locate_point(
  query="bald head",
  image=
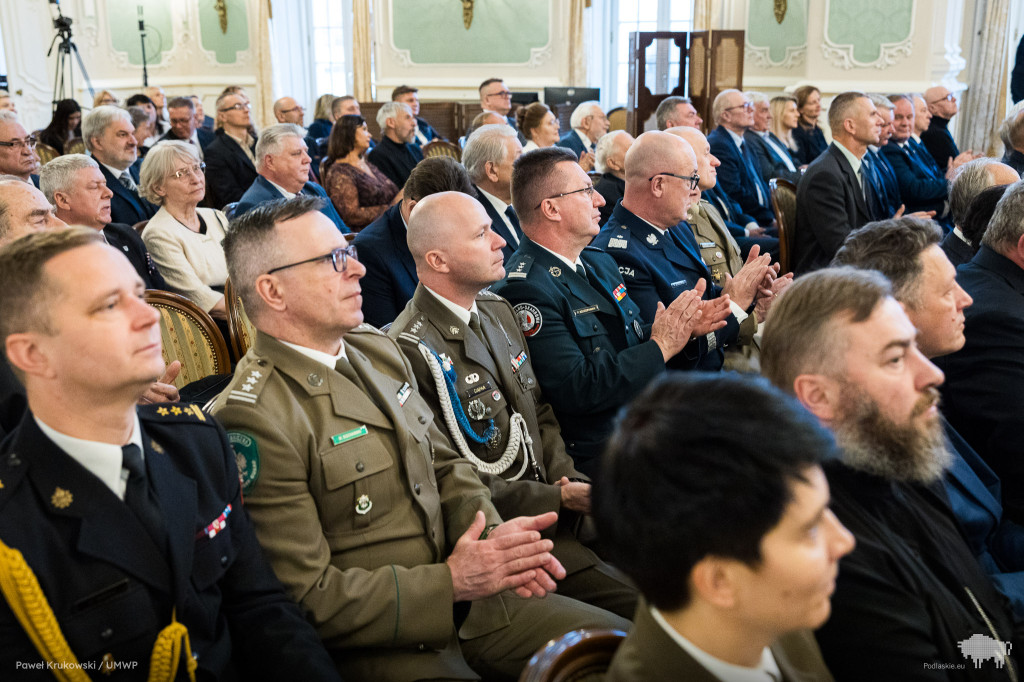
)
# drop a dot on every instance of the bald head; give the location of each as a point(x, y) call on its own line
point(659, 166)
point(657, 152)
point(456, 252)
point(23, 209)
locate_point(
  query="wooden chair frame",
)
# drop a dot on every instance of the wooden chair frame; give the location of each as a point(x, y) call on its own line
point(578, 655)
point(237, 320)
point(786, 223)
point(207, 327)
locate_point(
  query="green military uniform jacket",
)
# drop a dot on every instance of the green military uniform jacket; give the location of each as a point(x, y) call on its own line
point(357, 502)
point(718, 248)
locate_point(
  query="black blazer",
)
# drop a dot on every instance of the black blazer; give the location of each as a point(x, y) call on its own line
point(984, 387)
point(957, 250)
point(395, 160)
point(498, 225)
point(612, 189)
point(769, 163)
point(127, 241)
point(205, 137)
point(829, 206)
point(390, 279)
point(920, 188)
point(12, 399)
point(229, 172)
point(126, 206)
point(112, 588)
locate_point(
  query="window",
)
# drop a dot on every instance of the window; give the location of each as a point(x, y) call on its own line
point(332, 46)
point(626, 16)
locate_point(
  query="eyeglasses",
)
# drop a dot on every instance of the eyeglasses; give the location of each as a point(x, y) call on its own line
point(241, 106)
point(502, 93)
point(589, 189)
point(295, 108)
point(745, 105)
point(339, 259)
point(694, 178)
point(196, 170)
point(948, 98)
point(28, 143)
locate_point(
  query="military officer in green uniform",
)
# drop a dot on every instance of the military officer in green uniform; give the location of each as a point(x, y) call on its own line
point(474, 369)
point(591, 348)
point(379, 529)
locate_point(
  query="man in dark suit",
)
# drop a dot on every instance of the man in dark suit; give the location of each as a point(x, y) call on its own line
point(771, 153)
point(677, 111)
point(913, 589)
point(591, 348)
point(488, 157)
point(424, 132)
point(985, 380)
point(739, 174)
point(832, 199)
point(497, 98)
point(395, 155)
point(970, 180)
point(659, 257)
point(75, 186)
point(936, 138)
point(141, 524)
point(735, 555)
point(390, 278)
point(283, 166)
point(586, 126)
point(907, 251)
point(879, 172)
point(922, 185)
point(110, 137)
point(201, 119)
point(182, 114)
point(231, 158)
point(610, 162)
point(18, 155)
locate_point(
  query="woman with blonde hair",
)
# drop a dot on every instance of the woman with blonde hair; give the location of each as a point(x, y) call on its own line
point(323, 118)
point(184, 240)
point(785, 118)
point(104, 98)
point(810, 140)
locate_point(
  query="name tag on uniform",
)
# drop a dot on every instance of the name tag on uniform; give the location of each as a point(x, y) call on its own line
point(403, 393)
point(678, 283)
point(349, 435)
point(477, 390)
point(708, 245)
point(584, 311)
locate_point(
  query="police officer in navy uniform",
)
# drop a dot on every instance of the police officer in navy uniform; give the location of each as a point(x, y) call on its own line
point(658, 255)
point(591, 347)
point(131, 520)
point(473, 367)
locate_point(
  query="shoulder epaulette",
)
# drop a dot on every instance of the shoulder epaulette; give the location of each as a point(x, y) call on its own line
point(253, 382)
point(619, 239)
point(365, 328)
point(486, 295)
point(520, 268)
point(172, 412)
point(412, 330)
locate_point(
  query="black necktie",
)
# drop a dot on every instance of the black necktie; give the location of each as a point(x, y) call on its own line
point(138, 496)
point(514, 219)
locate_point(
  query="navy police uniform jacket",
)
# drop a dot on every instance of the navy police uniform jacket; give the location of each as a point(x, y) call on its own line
point(590, 347)
point(112, 589)
point(658, 267)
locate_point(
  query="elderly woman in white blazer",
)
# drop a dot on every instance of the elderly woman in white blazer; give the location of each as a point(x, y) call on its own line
point(184, 240)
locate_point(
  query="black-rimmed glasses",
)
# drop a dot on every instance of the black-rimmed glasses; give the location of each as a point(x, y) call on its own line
point(29, 142)
point(694, 179)
point(339, 259)
point(239, 106)
point(589, 189)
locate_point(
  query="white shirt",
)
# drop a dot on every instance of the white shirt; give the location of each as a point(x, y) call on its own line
point(500, 206)
point(778, 150)
point(572, 265)
point(854, 161)
point(116, 172)
point(318, 355)
point(279, 188)
point(102, 460)
point(456, 309)
point(530, 146)
point(766, 671)
point(737, 139)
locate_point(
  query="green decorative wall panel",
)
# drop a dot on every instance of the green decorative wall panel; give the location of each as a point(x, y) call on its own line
point(123, 20)
point(770, 43)
point(868, 32)
point(226, 46)
point(503, 31)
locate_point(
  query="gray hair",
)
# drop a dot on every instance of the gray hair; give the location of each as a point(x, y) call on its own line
point(486, 143)
point(59, 174)
point(1007, 224)
point(99, 119)
point(583, 110)
point(755, 96)
point(388, 111)
point(1011, 131)
point(159, 165)
point(718, 108)
point(271, 140)
point(139, 116)
point(881, 101)
point(8, 116)
point(667, 109)
point(968, 182)
point(603, 149)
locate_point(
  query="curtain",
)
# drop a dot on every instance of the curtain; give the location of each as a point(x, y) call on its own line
point(264, 67)
point(985, 104)
point(702, 15)
point(362, 51)
point(577, 43)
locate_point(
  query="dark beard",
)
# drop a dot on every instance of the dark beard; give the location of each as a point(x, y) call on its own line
point(913, 451)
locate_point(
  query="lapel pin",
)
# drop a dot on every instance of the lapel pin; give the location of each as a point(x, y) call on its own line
point(363, 504)
point(61, 499)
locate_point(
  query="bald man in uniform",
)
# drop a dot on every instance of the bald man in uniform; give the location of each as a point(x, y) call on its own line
point(493, 408)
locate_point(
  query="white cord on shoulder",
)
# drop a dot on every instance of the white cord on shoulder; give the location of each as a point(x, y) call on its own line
point(518, 434)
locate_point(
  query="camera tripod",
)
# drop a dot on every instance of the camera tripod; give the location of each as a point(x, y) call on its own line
point(65, 48)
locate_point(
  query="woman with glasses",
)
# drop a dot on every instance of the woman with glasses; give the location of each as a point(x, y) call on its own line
point(358, 189)
point(538, 125)
point(184, 240)
point(104, 98)
point(810, 140)
point(65, 124)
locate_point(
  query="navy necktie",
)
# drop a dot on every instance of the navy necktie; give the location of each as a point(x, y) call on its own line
point(139, 497)
point(514, 219)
